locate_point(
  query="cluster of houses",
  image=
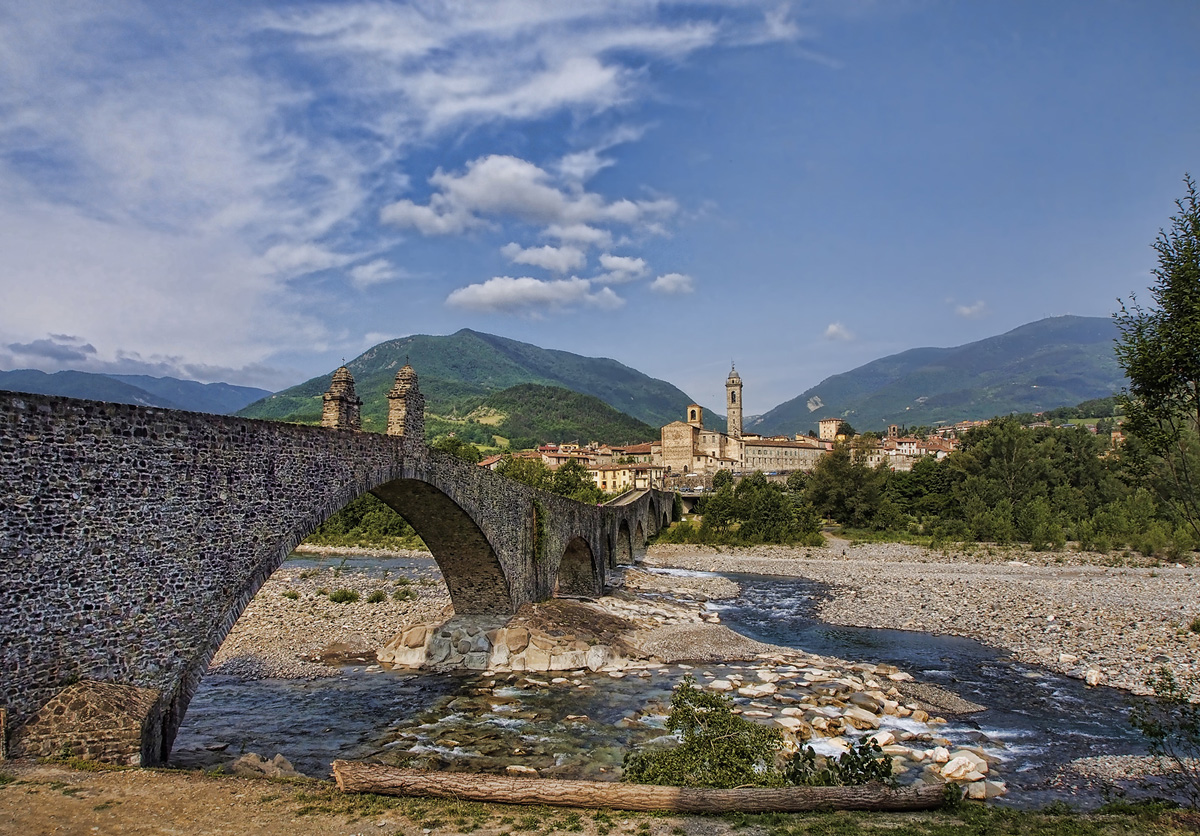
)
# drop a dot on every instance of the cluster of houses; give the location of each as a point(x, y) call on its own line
point(687, 455)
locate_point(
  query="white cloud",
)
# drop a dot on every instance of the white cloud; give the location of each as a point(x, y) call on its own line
point(557, 259)
point(673, 283)
point(502, 186)
point(621, 268)
point(379, 271)
point(838, 331)
point(580, 234)
point(504, 294)
point(970, 311)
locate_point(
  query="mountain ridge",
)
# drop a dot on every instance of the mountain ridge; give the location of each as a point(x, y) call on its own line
point(1041, 365)
point(460, 370)
point(140, 390)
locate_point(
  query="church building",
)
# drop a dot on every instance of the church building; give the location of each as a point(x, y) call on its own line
point(687, 447)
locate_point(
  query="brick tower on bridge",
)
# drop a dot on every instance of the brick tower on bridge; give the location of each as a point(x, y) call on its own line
point(406, 407)
point(342, 409)
point(733, 403)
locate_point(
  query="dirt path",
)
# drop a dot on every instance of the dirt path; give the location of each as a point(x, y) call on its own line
point(56, 799)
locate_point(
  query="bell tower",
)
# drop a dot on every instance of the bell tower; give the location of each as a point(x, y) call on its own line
point(733, 402)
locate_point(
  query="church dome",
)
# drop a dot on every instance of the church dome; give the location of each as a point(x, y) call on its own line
point(734, 377)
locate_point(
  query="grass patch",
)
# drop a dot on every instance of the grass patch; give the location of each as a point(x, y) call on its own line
point(343, 596)
point(291, 595)
point(377, 597)
point(865, 535)
point(5, 778)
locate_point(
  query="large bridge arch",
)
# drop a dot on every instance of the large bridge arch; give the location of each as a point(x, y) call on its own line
point(466, 558)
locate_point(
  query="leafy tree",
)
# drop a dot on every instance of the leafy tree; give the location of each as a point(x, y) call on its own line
point(455, 446)
point(1159, 349)
point(722, 478)
point(572, 480)
point(845, 429)
point(532, 472)
point(719, 512)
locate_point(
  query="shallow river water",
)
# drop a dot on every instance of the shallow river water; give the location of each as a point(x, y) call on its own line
point(581, 727)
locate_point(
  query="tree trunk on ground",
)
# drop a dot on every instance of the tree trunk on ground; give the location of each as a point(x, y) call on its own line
point(357, 776)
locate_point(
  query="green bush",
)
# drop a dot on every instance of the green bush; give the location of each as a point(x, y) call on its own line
point(722, 749)
point(404, 594)
point(291, 595)
point(343, 596)
point(719, 748)
point(377, 597)
point(1171, 725)
point(862, 763)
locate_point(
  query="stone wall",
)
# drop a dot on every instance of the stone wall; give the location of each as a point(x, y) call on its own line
point(131, 539)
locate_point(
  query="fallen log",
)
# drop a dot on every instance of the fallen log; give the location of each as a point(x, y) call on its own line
point(359, 776)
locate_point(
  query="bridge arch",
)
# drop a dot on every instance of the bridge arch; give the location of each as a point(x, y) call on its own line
point(624, 544)
point(466, 558)
point(639, 540)
point(577, 570)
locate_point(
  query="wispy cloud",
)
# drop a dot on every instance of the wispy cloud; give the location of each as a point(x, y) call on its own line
point(838, 331)
point(970, 311)
point(171, 177)
point(378, 271)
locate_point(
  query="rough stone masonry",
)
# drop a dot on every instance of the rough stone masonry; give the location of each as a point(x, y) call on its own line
point(132, 538)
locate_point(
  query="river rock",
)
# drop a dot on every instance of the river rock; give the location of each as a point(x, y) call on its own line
point(860, 718)
point(598, 657)
point(961, 769)
point(516, 638)
point(536, 658)
point(254, 765)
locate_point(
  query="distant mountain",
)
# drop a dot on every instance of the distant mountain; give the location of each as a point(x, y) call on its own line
point(1054, 362)
point(458, 372)
point(165, 392)
point(219, 398)
point(528, 414)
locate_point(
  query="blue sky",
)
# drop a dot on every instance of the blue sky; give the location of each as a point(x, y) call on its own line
point(251, 191)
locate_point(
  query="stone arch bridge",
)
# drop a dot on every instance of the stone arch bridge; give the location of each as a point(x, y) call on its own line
point(131, 539)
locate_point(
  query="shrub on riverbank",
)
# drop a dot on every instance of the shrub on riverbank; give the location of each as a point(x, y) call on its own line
point(756, 511)
point(721, 749)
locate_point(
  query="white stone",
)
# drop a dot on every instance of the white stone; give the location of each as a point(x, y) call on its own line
point(940, 754)
point(957, 769)
point(1093, 678)
point(517, 769)
point(721, 685)
point(883, 738)
point(860, 718)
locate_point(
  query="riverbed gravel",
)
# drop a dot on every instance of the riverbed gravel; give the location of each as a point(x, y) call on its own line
point(298, 637)
point(1091, 616)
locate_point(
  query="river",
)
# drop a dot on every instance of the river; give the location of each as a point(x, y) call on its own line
point(1035, 720)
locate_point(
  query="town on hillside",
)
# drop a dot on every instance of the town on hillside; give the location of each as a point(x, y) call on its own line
point(687, 455)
